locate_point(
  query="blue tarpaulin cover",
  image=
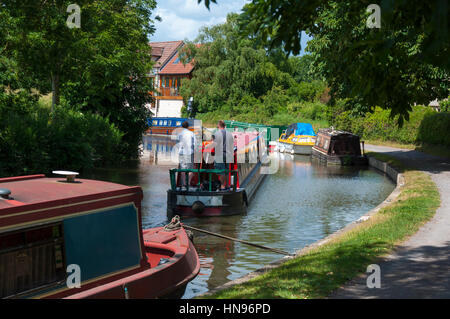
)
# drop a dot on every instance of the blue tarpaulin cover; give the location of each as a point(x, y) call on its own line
point(301, 129)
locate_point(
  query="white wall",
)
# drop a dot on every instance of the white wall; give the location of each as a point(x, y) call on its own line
point(170, 108)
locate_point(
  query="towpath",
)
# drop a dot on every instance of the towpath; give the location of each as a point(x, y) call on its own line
point(420, 267)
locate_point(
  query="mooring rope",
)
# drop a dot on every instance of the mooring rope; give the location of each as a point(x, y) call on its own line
point(275, 250)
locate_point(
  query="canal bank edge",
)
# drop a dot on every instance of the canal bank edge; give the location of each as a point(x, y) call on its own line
point(382, 166)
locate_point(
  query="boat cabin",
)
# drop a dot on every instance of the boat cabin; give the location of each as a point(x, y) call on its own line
point(338, 147)
point(67, 238)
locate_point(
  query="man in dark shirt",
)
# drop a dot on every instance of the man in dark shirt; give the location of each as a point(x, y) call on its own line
point(224, 151)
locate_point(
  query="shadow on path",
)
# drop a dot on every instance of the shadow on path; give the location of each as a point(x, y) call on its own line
point(420, 267)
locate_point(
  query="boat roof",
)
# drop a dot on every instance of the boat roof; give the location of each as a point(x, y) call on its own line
point(332, 132)
point(37, 189)
point(301, 129)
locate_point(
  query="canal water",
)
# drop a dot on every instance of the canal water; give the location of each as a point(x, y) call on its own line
point(298, 205)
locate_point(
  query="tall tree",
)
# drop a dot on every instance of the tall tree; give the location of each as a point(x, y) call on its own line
point(402, 63)
point(229, 70)
point(113, 35)
point(100, 67)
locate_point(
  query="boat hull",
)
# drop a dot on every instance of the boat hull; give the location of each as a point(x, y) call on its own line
point(342, 160)
point(215, 203)
point(219, 203)
point(163, 280)
point(298, 149)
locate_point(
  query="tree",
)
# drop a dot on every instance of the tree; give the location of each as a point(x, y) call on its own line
point(99, 67)
point(230, 71)
point(402, 63)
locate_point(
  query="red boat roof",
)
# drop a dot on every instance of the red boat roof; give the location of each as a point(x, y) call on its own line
point(37, 189)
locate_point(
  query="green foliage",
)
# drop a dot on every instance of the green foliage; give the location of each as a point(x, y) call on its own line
point(99, 68)
point(435, 129)
point(34, 140)
point(424, 126)
point(238, 78)
point(402, 63)
point(444, 105)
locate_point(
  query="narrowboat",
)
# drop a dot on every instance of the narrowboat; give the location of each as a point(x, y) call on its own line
point(80, 238)
point(299, 138)
point(164, 126)
point(203, 197)
point(335, 147)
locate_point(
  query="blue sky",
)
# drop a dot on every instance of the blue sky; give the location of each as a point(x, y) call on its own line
point(182, 19)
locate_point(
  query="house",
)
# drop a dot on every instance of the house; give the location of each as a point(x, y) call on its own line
point(167, 74)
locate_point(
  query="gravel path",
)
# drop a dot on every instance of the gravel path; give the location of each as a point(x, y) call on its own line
point(420, 267)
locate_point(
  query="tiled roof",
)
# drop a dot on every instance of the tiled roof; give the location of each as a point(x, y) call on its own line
point(175, 66)
point(165, 50)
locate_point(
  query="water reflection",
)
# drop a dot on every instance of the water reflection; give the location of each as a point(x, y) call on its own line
point(300, 204)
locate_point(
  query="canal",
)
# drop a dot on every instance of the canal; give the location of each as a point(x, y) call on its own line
point(298, 205)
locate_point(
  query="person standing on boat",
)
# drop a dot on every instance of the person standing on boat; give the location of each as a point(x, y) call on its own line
point(224, 151)
point(186, 141)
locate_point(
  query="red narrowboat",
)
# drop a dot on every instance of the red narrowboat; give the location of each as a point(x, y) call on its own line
point(55, 232)
point(203, 195)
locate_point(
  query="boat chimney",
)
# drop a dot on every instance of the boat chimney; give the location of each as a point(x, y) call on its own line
point(70, 176)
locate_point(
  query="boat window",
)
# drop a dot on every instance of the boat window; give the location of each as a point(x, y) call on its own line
point(31, 258)
point(165, 123)
point(294, 139)
point(169, 123)
point(155, 122)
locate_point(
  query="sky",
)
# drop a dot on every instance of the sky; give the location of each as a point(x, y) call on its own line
point(182, 19)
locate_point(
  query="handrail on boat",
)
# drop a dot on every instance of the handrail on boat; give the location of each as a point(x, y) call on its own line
point(173, 183)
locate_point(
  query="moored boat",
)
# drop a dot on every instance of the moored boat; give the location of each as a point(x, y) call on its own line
point(299, 138)
point(335, 147)
point(164, 126)
point(203, 196)
point(53, 231)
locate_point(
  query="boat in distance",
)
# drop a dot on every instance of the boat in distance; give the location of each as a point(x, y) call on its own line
point(204, 197)
point(51, 225)
point(299, 138)
point(334, 147)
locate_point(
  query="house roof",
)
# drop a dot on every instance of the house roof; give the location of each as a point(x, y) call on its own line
point(174, 66)
point(163, 51)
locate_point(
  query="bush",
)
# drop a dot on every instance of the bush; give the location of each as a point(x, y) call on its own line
point(36, 141)
point(424, 125)
point(435, 129)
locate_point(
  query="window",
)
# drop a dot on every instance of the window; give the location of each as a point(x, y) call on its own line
point(155, 122)
point(31, 258)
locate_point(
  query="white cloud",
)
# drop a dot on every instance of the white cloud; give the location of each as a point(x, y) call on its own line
point(182, 19)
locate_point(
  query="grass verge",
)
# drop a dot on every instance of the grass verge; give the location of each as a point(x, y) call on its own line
point(323, 269)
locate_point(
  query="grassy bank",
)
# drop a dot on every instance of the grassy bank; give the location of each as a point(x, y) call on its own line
point(322, 270)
